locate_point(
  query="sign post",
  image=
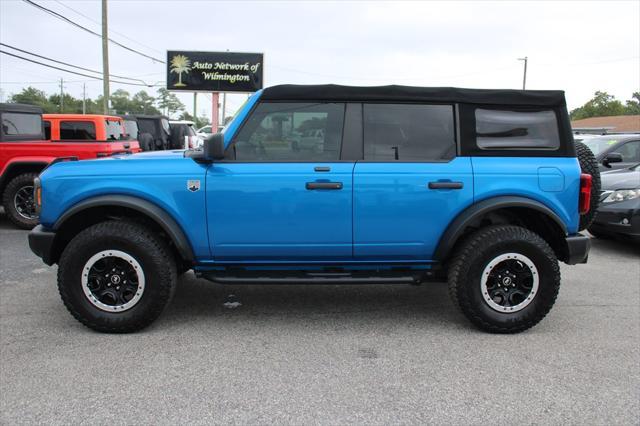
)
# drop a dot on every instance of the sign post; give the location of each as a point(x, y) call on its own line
point(215, 102)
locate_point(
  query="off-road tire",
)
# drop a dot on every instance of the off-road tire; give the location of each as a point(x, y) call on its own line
point(17, 183)
point(476, 252)
point(589, 165)
point(138, 241)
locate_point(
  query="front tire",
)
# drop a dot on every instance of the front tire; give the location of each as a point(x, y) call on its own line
point(504, 278)
point(116, 276)
point(18, 201)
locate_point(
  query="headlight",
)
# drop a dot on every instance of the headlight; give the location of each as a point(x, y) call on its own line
point(622, 195)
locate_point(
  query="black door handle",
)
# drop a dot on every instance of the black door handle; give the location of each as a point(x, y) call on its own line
point(324, 185)
point(445, 185)
point(322, 169)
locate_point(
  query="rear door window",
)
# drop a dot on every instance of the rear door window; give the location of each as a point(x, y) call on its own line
point(408, 132)
point(77, 130)
point(514, 130)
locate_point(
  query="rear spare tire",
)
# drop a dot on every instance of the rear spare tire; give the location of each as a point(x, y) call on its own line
point(589, 165)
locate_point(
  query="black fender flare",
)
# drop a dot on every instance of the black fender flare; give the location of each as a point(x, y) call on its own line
point(155, 213)
point(4, 177)
point(457, 226)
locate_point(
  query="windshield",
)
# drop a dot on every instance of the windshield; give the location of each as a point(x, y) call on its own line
point(131, 129)
point(598, 145)
point(115, 131)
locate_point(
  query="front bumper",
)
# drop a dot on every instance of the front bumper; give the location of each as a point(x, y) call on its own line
point(621, 218)
point(578, 246)
point(41, 243)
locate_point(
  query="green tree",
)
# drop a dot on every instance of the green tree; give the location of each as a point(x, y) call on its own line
point(33, 96)
point(633, 105)
point(601, 105)
point(198, 121)
point(70, 105)
point(143, 103)
point(168, 102)
point(120, 102)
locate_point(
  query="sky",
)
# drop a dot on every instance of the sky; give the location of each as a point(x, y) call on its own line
point(576, 46)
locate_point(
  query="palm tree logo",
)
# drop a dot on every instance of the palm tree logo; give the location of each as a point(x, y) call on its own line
point(180, 64)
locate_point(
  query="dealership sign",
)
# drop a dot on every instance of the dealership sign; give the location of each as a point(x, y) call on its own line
point(214, 71)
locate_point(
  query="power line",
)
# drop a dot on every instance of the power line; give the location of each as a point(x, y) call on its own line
point(74, 72)
point(75, 24)
point(110, 29)
point(67, 64)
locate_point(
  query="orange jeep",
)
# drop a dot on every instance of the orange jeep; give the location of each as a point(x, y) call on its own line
point(90, 127)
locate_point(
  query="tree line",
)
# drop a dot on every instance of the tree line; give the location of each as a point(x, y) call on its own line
point(122, 102)
point(604, 105)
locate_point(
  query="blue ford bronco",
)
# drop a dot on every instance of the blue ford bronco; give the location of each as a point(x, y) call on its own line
point(333, 184)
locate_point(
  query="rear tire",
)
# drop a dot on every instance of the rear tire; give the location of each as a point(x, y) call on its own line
point(18, 201)
point(505, 278)
point(116, 276)
point(589, 165)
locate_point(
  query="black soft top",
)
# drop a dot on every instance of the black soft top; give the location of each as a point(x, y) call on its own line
point(334, 92)
point(128, 117)
point(149, 117)
point(20, 108)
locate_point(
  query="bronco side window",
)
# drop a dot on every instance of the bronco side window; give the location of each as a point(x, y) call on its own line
point(500, 129)
point(408, 132)
point(291, 131)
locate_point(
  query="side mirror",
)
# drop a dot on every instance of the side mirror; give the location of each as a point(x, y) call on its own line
point(214, 147)
point(612, 157)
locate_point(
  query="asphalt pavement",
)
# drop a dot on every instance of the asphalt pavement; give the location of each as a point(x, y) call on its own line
point(322, 354)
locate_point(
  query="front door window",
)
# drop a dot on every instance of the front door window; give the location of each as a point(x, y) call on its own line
point(292, 132)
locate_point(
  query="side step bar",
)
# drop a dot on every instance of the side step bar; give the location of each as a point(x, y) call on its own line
point(308, 278)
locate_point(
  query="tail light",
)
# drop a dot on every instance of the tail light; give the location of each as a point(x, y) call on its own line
point(585, 193)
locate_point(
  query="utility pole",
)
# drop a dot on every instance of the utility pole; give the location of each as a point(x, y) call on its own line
point(84, 98)
point(524, 78)
point(61, 95)
point(105, 60)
